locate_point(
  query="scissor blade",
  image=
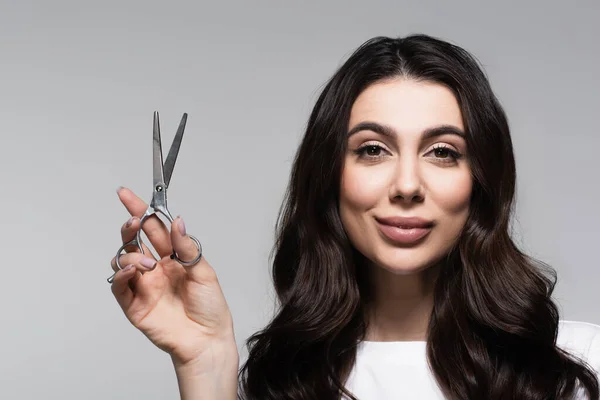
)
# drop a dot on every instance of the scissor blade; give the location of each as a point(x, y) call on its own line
point(172, 157)
point(157, 161)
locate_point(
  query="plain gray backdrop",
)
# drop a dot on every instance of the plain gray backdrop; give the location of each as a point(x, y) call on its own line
point(79, 83)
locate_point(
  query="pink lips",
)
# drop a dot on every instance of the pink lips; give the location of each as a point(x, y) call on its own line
point(404, 230)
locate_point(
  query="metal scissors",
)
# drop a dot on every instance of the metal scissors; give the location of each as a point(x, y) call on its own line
point(162, 177)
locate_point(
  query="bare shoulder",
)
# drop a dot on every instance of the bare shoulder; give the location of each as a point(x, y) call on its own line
point(582, 339)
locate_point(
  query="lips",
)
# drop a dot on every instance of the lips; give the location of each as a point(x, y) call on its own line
point(404, 230)
point(406, 222)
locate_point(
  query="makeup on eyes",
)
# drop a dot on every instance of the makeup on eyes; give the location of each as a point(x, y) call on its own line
point(442, 151)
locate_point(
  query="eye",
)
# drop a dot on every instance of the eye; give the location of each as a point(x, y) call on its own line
point(441, 152)
point(369, 151)
point(444, 153)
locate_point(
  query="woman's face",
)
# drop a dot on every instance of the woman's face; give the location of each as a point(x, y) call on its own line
point(411, 162)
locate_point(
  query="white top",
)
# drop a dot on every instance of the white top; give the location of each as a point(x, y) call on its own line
point(399, 370)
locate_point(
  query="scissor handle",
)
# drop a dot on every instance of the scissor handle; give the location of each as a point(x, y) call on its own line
point(160, 206)
point(136, 241)
point(195, 260)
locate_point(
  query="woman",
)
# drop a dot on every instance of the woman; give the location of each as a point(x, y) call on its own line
point(394, 268)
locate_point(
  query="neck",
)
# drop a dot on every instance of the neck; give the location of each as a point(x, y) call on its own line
point(402, 305)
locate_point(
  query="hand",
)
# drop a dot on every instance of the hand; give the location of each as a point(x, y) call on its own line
point(182, 310)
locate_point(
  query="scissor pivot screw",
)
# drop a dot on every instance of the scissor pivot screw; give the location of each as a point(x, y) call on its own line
point(159, 188)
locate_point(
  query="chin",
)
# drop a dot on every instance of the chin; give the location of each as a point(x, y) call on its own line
point(404, 269)
point(404, 264)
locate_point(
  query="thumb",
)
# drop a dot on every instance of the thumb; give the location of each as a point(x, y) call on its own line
point(187, 250)
point(184, 246)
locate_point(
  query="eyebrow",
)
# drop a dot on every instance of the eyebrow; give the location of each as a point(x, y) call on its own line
point(390, 132)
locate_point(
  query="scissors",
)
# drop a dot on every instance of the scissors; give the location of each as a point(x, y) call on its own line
point(162, 177)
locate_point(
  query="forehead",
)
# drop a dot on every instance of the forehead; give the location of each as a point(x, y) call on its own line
point(408, 106)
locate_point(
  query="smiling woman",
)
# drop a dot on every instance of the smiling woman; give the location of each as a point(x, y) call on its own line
point(414, 193)
point(394, 267)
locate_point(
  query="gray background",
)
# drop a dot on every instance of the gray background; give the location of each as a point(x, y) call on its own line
point(79, 82)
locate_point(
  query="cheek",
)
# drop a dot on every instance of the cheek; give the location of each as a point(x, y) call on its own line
point(362, 189)
point(452, 193)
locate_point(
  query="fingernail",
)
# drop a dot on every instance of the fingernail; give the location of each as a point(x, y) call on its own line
point(181, 226)
point(129, 222)
point(119, 189)
point(127, 268)
point(148, 263)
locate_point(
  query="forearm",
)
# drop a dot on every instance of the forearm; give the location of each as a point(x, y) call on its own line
point(214, 379)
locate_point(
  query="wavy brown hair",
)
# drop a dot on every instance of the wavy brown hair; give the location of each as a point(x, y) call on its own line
point(493, 329)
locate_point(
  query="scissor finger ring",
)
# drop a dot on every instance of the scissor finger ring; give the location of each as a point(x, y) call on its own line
point(195, 260)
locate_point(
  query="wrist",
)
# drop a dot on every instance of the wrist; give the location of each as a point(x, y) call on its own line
point(213, 359)
point(214, 375)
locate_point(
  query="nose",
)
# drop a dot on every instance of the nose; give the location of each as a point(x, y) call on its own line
point(407, 184)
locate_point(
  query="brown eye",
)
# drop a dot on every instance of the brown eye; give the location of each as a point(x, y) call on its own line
point(370, 152)
point(445, 154)
point(441, 152)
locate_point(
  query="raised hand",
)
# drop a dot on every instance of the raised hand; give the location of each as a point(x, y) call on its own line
point(182, 310)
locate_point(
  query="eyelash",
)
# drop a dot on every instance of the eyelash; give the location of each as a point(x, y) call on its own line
point(452, 153)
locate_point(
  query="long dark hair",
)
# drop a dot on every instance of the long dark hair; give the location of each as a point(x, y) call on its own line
point(493, 329)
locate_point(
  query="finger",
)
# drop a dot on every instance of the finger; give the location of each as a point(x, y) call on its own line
point(154, 227)
point(120, 286)
point(142, 264)
point(183, 245)
point(187, 250)
point(138, 259)
point(128, 232)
